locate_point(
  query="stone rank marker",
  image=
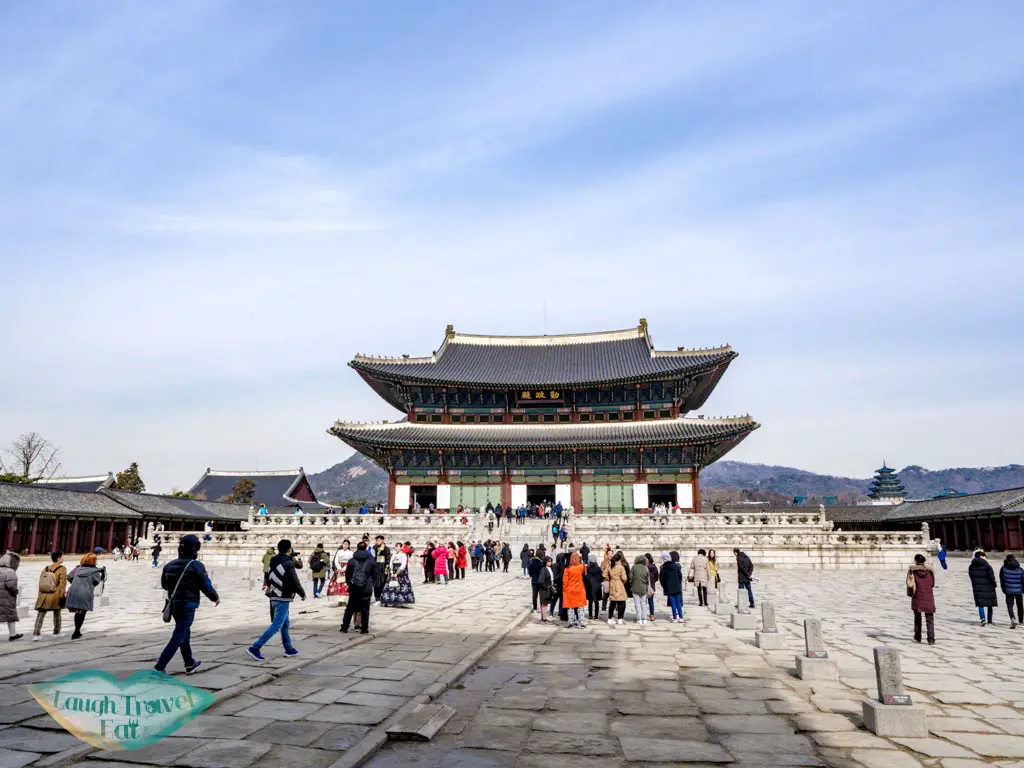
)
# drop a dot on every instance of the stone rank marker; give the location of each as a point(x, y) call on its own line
point(713, 600)
point(742, 618)
point(893, 713)
point(768, 637)
point(815, 664)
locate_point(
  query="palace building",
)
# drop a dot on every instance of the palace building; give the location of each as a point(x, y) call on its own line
point(595, 421)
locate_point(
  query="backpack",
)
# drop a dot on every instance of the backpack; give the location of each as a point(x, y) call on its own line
point(361, 576)
point(316, 562)
point(47, 582)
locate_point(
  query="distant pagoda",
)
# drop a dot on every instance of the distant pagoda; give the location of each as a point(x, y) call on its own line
point(886, 487)
point(592, 420)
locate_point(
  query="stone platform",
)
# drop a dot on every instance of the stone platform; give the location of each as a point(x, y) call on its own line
point(800, 539)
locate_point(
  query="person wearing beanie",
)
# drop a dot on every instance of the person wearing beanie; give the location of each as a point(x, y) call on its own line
point(594, 580)
point(184, 579)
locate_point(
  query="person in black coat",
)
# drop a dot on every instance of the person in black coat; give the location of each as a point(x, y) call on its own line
point(983, 583)
point(524, 559)
point(556, 593)
point(585, 553)
point(593, 581)
point(671, 579)
point(546, 588)
point(744, 573)
point(184, 580)
point(534, 569)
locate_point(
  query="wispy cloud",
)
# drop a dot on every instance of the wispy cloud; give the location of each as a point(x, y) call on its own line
point(205, 211)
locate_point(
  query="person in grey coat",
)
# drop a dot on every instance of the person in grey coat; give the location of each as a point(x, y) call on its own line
point(84, 580)
point(9, 593)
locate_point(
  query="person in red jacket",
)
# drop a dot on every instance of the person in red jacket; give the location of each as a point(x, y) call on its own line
point(460, 561)
point(923, 597)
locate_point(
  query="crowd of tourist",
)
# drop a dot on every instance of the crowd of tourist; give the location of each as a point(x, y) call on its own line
point(566, 582)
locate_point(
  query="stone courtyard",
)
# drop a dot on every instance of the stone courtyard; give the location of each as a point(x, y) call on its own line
point(527, 694)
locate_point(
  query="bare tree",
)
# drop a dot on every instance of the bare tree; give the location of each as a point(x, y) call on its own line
point(33, 456)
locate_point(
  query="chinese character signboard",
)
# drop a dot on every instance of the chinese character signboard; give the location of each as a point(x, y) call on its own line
point(540, 397)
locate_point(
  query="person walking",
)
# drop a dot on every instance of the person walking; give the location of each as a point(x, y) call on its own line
point(942, 555)
point(81, 594)
point(506, 556)
point(639, 582)
point(921, 586)
point(545, 589)
point(585, 553)
point(359, 577)
point(983, 584)
point(318, 562)
point(1011, 581)
point(490, 520)
point(616, 579)
point(671, 578)
point(652, 571)
point(574, 591)
point(595, 580)
point(9, 593)
point(53, 587)
point(533, 570)
point(183, 580)
point(700, 576)
point(524, 559)
point(283, 585)
point(744, 573)
point(156, 554)
point(428, 563)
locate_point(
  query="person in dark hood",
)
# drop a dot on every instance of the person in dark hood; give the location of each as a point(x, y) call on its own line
point(923, 597)
point(671, 579)
point(983, 584)
point(184, 579)
point(594, 580)
point(359, 577)
point(1011, 581)
point(744, 573)
point(9, 593)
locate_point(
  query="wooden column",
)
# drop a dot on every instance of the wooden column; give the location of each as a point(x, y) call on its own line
point(506, 490)
point(391, 494)
point(696, 490)
point(1006, 533)
point(92, 537)
point(56, 535)
point(9, 542)
point(32, 536)
point(576, 493)
point(74, 536)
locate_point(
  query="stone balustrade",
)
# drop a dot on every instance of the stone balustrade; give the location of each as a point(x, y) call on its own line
point(801, 539)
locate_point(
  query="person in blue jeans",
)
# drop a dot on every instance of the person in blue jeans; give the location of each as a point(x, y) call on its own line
point(942, 556)
point(282, 586)
point(671, 578)
point(184, 580)
point(745, 573)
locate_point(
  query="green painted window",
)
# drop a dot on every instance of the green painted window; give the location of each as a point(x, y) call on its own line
point(475, 496)
point(607, 499)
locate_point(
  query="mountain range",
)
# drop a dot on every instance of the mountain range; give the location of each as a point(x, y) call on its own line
point(358, 478)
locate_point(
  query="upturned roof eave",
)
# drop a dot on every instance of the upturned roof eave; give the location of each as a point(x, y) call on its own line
point(370, 371)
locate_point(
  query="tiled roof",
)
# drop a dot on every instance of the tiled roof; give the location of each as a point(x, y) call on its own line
point(33, 498)
point(859, 513)
point(662, 432)
point(547, 361)
point(959, 506)
point(92, 483)
point(172, 506)
point(272, 488)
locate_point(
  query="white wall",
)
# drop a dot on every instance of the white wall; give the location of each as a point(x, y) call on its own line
point(444, 497)
point(563, 495)
point(640, 496)
point(518, 495)
point(684, 495)
point(402, 497)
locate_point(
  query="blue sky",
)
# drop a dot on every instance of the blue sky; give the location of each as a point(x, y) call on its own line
point(207, 208)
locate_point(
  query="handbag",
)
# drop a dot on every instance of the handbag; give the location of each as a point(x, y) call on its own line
point(170, 599)
point(911, 585)
point(605, 587)
point(650, 591)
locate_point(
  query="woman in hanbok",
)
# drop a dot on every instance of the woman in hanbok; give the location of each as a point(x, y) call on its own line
point(398, 589)
point(337, 586)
